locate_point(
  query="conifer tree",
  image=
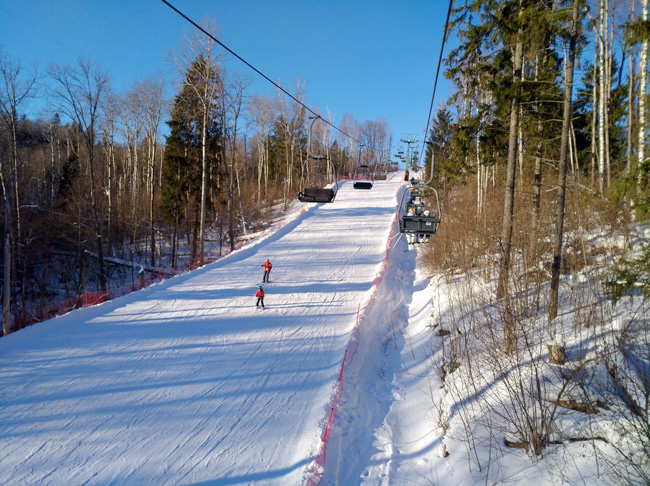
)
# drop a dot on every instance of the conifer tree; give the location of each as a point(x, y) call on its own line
point(446, 171)
point(182, 164)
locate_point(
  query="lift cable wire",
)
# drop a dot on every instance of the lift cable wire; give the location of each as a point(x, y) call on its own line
point(435, 84)
point(258, 71)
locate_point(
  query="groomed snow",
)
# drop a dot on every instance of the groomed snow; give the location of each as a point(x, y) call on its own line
point(186, 382)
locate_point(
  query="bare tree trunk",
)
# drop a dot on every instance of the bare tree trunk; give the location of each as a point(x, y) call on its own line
point(108, 128)
point(135, 175)
point(231, 199)
point(537, 175)
point(608, 89)
point(152, 199)
point(260, 167)
point(479, 180)
point(80, 93)
point(14, 90)
point(643, 74)
point(204, 182)
point(594, 123)
point(575, 154)
point(150, 96)
point(630, 111)
point(561, 192)
point(602, 96)
point(7, 282)
point(630, 100)
point(509, 201)
point(266, 165)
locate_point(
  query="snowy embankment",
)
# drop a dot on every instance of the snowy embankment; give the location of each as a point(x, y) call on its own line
point(186, 382)
point(432, 398)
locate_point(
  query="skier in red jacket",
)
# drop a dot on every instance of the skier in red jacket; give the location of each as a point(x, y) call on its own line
point(260, 296)
point(267, 270)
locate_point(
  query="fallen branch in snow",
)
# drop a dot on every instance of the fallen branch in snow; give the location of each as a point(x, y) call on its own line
point(574, 405)
point(124, 263)
point(524, 445)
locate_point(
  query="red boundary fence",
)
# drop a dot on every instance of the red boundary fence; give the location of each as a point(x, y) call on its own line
point(318, 468)
point(88, 299)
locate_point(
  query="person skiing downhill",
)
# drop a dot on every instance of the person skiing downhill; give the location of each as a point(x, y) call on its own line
point(267, 270)
point(260, 296)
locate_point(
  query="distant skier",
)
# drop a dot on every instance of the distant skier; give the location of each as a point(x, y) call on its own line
point(267, 270)
point(260, 296)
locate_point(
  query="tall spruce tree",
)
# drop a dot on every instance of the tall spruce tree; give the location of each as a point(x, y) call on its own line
point(183, 162)
point(446, 171)
point(502, 70)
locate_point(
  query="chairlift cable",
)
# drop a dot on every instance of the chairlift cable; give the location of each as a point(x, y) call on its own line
point(257, 70)
point(435, 84)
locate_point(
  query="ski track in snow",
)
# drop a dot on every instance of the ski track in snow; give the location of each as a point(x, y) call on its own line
point(185, 382)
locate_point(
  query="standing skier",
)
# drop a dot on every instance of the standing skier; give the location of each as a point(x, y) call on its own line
point(267, 270)
point(260, 296)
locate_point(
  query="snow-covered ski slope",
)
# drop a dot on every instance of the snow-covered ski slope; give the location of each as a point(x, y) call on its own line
point(186, 383)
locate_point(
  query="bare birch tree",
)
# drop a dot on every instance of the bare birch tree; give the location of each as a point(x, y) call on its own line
point(151, 98)
point(16, 89)
point(643, 74)
point(261, 109)
point(108, 127)
point(292, 119)
point(603, 93)
point(79, 93)
point(230, 101)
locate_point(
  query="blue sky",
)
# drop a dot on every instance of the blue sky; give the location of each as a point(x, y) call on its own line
point(370, 59)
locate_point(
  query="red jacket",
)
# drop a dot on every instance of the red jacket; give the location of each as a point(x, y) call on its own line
point(260, 293)
point(267, 266)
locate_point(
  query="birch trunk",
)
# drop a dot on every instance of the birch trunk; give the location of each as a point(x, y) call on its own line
point(561, 192)
point(14, 90)
point(7, 282)
point(509, 200)
point(79, 93)
point(594, 122)
point(630, 111)
point(643, 74)
point(204, 181)
point(602, 95)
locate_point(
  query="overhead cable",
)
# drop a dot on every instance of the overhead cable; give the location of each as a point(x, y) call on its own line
point(435, 84)
point(257, 70)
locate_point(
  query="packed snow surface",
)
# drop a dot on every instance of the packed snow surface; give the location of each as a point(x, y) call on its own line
point(186, 382)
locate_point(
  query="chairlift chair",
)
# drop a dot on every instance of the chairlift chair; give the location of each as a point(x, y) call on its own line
point(318, 181)
point(420, 224)
point(363, 177)
point(318, 172)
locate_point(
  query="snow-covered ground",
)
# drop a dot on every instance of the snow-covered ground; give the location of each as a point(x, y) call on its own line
point(187, 383)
